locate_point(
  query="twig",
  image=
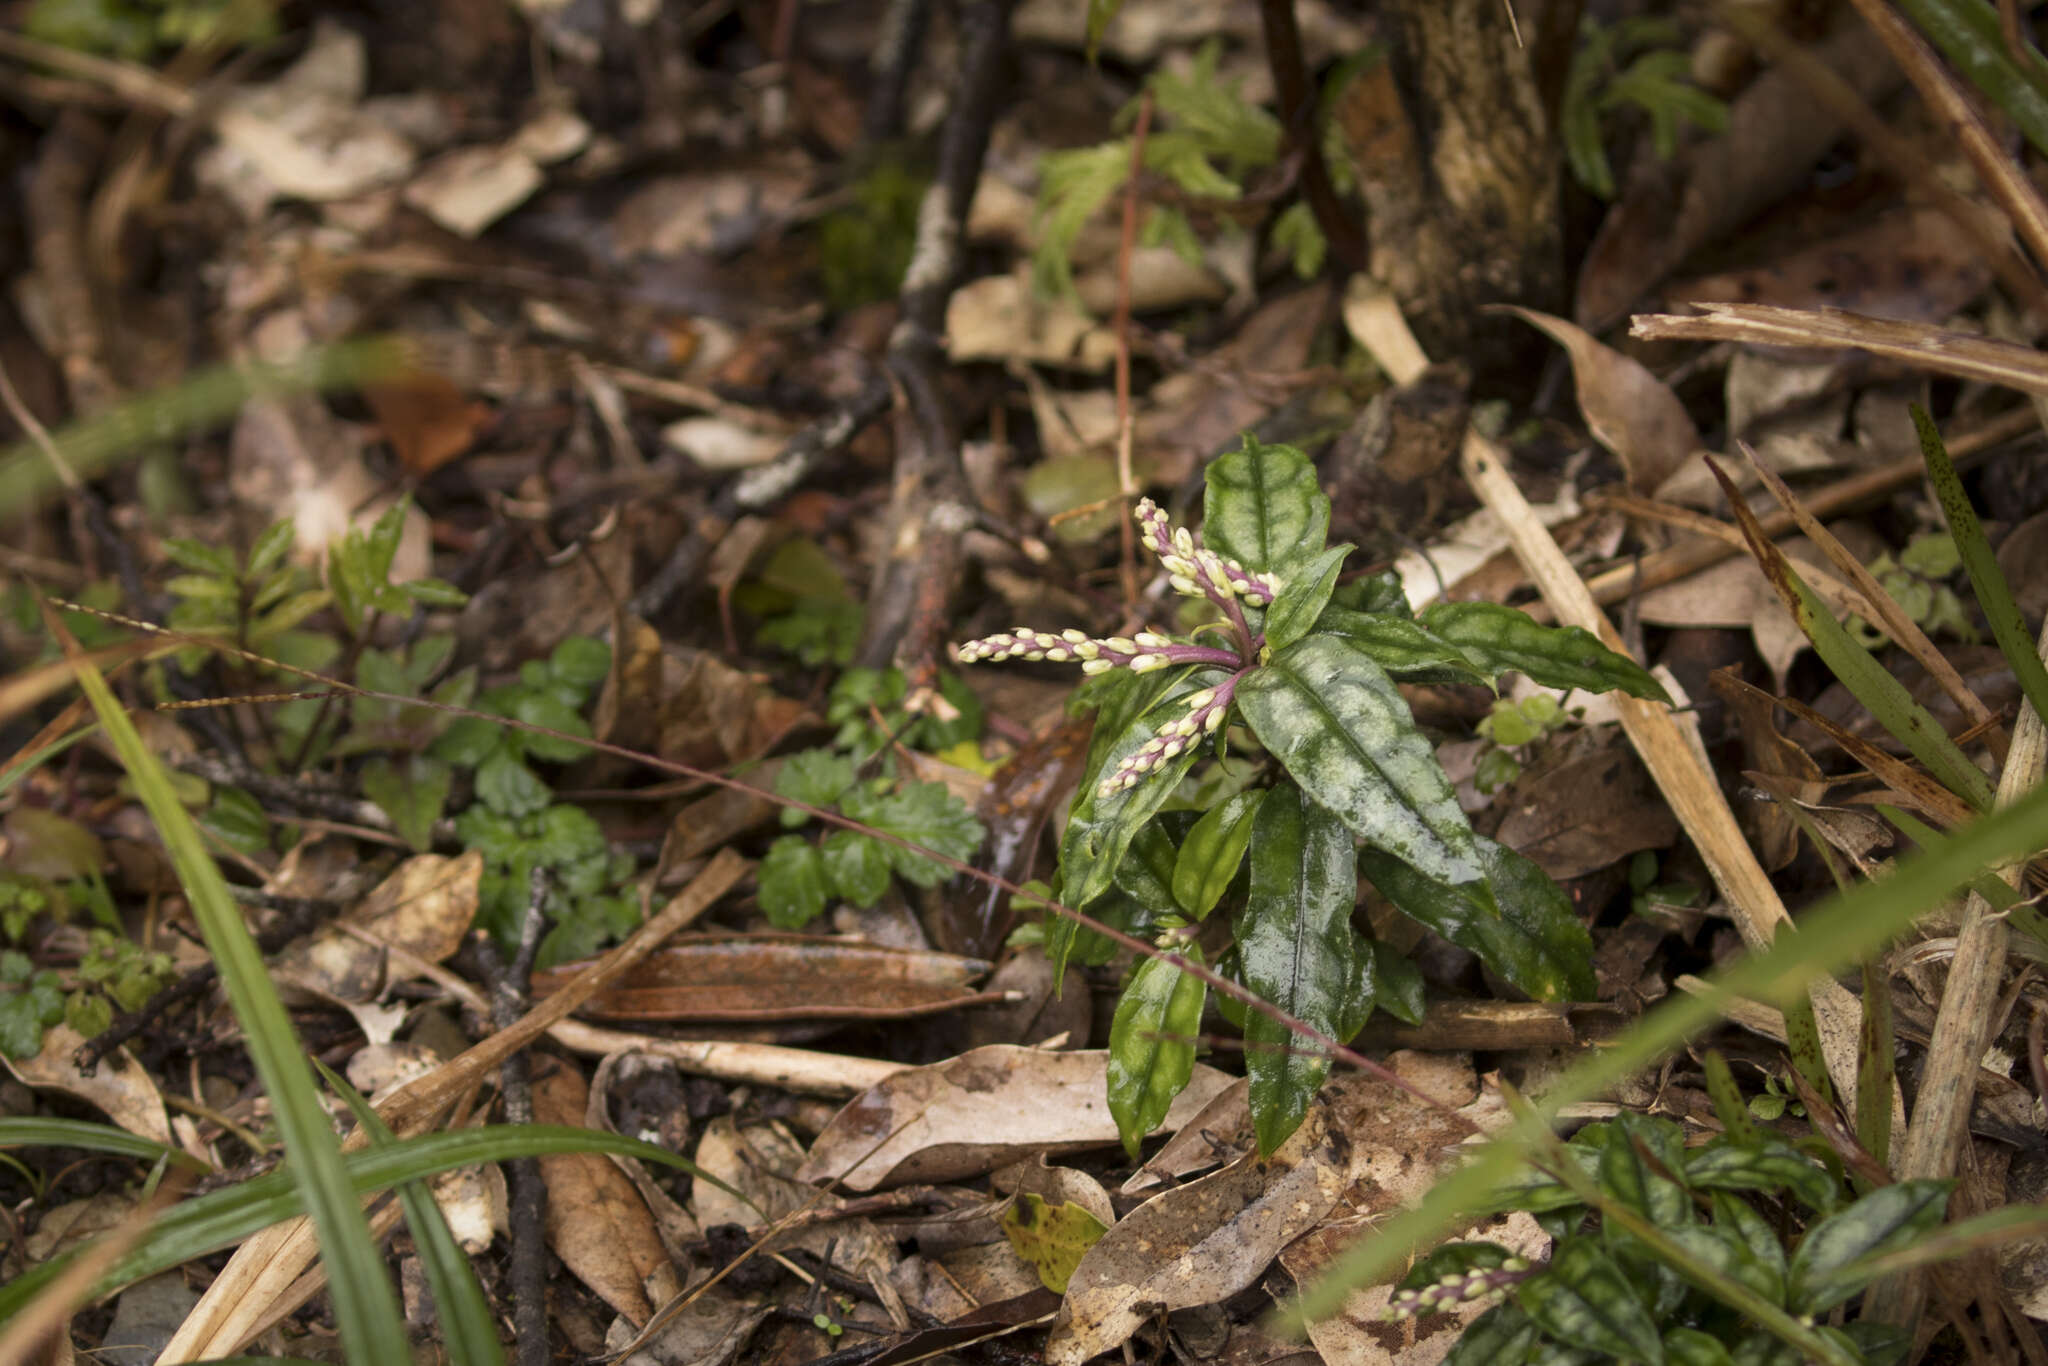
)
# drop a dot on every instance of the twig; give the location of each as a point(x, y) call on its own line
point(1126, 481)
point(897, 46)
point(1297, 99)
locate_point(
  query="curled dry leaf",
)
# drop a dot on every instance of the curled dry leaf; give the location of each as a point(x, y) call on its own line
point(120, 1086)
point(777, 977)
point(979, 1111)
point(1200, 1243)
point(424, 909)
point(597, 1223)
point(1629, 410)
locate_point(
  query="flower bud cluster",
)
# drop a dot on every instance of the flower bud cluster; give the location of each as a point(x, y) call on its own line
point(1457, 1289)
point(1206, 709)
point(1197, 571)
point(1141, 653)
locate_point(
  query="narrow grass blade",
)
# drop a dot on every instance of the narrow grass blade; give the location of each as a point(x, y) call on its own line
point(37, 1132)
point(1842, 931)
point(1874, 1069)
point(1802, 1043)
point(1967, 33)
point(2020, 914)
point(1994, 595)
point(1871, 683)
point(210, 1222)
point(467, 1328)
point(365, 1306)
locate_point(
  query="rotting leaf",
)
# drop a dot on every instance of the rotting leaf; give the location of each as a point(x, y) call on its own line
point(1053, 1238)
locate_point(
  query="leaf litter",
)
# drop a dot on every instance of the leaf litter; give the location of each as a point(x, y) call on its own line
point(623, 353)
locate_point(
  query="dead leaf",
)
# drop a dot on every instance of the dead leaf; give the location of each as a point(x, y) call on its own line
point(1000, 317)
point(714, 715)
point(1777, 834)
point(777, 977)
point(979, 1111)
point(1629, 410)
point(1734, 594)
point(423, 908)
point(426, 419)
point(1200, 1243)
point(708, 1331)
point(120, 1086)
point(470, 188)
point(1585, 813)
point(597, 1223)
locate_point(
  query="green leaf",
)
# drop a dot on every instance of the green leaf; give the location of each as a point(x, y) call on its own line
point(1403, 646)
point(1498, 639)
point(792, 878)
point(1297, 950)
point(1739, 1219)
point(1768, 1164)
point(1967, 32)
point(1584, 1301)
point(26, 1010)
point(469, 741)
point(923, 813)
point(1397, 985)
point(857, 866)
point(1535, 941)
point(1152, 1046)
point(1631, 1178)
point(545, 709)
point(41, 1132)
point(1101, 828)
point(238, 819)
point(566, 835)
point(203, 588)
point(1502, 1336)
point(1053, 1238)
point(815, 777)
point(1889, 1218)
point(271, 548)
point(1691, 1347)
point(433, 592)
point(1338, 724)
point(1100, 13)
point(1303, 598)
point(506, 785)
point(582, 661)
point(209, 560)
point(1210, 855)
point(1264, 508)
point(380, 547)
point(1146, 872)
point(413, 797)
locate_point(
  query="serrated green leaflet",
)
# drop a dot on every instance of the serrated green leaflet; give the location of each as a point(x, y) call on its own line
point(1584, 1301)
point(1101, 827)
point(1497, 639)
point(1403, 646)
point(1213, 851)
point(1294, 612)
point(1889, 1218)
point(1298, 951)
point(1534, 940)
point(1152, 1046)
point(1338, 724)
point(1264, 509)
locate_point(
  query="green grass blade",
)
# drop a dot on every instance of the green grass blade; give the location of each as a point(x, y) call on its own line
point(365, 1306)
point(1967, 33)
point(2018, 913)
point(1844, 930)
point(1871, 683)
point(93, 446)
point(1994, 595)
point(208, 1223)
point(37, 1132)
point(468, 1330)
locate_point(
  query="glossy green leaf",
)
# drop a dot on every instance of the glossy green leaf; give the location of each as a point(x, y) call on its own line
point(1341, 728)
point(1146, 871)
point(1768, 1164)
point(1101, 828)
point(1303, 598)
point(1152, 1046)
point(1397, 985)
point(1636, 1147)
point(1727, 1255)
point(1994, 595)
point(1739, 1219)
point(1403, 646)
point(1297, 950)
point(1889, 1218)
point(1213, 851)
point(1263, 508)
point(1967, 33)
point(1535, 941)
point(1502, 1336)
point(1497, 639)
point(1691, 1347)
point(40, 1132)
point(1584, 1301)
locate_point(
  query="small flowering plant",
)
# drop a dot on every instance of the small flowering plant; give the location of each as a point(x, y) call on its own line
point(1732, 1251)
point(1346, 786)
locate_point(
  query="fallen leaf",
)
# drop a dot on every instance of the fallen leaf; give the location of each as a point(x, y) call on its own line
point(470, 188)
point(1053, 1238)
point(120, 1086)
point(1585, 813)
point(597, 1223)
point(1629, 410)
point(426, 419)
point(979, 1111)
point(423, 908)
point(1200, 1243)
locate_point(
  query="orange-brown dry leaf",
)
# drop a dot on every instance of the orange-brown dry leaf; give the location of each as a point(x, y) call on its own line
point(597, 1223)
point(777, 977)
point(426, 419)
point(1586, 813)
point(1629, 410)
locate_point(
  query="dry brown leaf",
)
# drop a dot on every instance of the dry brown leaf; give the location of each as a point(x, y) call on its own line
point(1200, 1243)
point(979, 1111)
point(777, 977)
point(120, 1086)
point(1915, 263)
point(1941, 350)
point(426, 419)
point(1586, 813)
point(1629, 410)
point(597, 1223)
point(424, 908)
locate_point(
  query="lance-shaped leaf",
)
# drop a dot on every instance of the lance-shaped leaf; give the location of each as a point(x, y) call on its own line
point(1535, 941)
point(1303, 599)
point(1101, 828)
point(1214, 849)
point(1888, 1218)
point(1152, 1046)
point(1297, 950)
point(1147, 871)
point(1498, 638)
point(1584, 1301)
point(1331, 715)
point(1264, 508)
point(1403, 646)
